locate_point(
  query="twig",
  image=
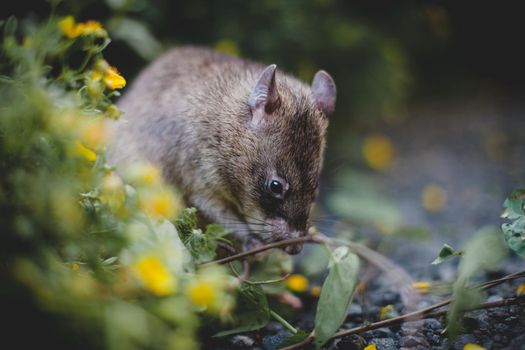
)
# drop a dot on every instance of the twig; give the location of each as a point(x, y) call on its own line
point(306, 239)
point(423, 313)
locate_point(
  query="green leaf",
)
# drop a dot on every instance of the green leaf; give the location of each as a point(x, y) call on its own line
point(336, 294)
point(252, 311)
point(187, 222)
point(446, 253)
point(294, 339)
point(514, 205)
point(202, 246)
point(514, 232)
point(10, 26)
point(275, 265)
point(515, 236)
point(482, 253)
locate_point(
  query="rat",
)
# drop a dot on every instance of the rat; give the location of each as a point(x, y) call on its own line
point(242, 141)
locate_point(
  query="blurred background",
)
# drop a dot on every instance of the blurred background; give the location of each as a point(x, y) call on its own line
point(427, 138)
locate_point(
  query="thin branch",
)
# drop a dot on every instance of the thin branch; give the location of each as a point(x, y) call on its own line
point(424, 313)
point(284, 243)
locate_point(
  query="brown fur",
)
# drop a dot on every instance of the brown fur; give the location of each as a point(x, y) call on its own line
point(188, 112)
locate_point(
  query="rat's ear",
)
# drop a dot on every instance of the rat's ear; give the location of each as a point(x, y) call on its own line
point(324, 92)
point(264, 98)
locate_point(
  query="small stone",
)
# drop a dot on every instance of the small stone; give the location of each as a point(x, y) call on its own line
point(500, 328)
point(353, 342)
point(470, 323)
point(390, 298)
point(433, 324)
point(464, 339)
point(355, 310)
point(410, 341)
point(241, 342)
point(383, 343)
point(435, 340)
point(493, 298)
point(274, 327)
point(272, 342)
point(381, 333)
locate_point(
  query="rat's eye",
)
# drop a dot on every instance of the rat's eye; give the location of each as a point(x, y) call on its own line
point(277, 187)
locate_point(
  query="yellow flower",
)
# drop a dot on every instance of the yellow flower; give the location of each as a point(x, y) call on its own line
point(92, 27)
point(521, 289)
point(113, 112)
point(155, 276)
point(208, 291)
point(93, 134)
point(370, 347)
point(315, 291)
point(113, 79)
point(101, 65)
point(202, 294)
point(421, 287)
point(75, 267)
point(72, 29)
point(69, 27)
point(379, 152)
point(297, 283)
point(228, 47)
point(82, 151)
point(96, 76)
point(149, 174)
point(386, 312)
point(160, 203)
point(433, 198)
point(112, 191)
point(94, 86)
point(471, 346)
point(142, 174)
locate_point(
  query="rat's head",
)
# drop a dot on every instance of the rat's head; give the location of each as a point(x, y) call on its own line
point(287, 122)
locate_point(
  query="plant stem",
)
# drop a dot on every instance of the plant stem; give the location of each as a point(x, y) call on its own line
point(282, 321)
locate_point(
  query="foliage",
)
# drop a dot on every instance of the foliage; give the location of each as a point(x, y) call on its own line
point(336, 294)
point(482, 253)
point(446, 253)
point(253, 311)
point(91, 248)
point(514, 232)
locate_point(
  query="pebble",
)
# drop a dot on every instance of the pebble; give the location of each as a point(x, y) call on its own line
point(241, 342)
point(353, 342)
point(272, 342)
point(383, 343)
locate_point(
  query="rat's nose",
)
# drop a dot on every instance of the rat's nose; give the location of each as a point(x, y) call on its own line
point(295, 248)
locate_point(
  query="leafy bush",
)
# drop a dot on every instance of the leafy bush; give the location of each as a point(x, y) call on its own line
point(94, 250)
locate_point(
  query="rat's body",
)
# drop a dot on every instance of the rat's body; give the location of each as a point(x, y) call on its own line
point(242, 144)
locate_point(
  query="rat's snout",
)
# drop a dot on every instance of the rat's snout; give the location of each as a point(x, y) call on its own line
point(296, 248)
point(282, 230)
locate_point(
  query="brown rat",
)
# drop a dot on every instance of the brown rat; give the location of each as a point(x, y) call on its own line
point(243, 142)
